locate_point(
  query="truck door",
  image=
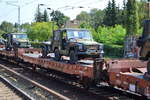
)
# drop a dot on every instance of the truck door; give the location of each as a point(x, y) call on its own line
point(56, 42)
point(64, 40)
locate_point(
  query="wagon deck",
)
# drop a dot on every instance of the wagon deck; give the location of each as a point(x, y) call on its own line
point(127, 74)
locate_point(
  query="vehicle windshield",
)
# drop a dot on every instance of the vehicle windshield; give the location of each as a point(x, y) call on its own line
point(20, 36)
point(79, 34)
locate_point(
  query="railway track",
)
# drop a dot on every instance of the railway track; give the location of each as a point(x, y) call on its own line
point(94, 93)
point(28, 87)
point(9, 92)
point(103, 90)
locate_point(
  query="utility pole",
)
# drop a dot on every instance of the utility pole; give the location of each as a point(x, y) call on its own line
point(18, 6)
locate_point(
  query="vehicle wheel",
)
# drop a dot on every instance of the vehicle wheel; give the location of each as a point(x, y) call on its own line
point(148, 67)
point(44, 51)
point(57, 55)
point(73, 57)
point(8, 48)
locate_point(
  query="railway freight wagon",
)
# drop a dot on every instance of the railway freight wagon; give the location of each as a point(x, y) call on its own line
point(125, 74)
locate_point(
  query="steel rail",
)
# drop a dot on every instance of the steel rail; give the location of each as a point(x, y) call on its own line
point(35, 83)
point(16, 88)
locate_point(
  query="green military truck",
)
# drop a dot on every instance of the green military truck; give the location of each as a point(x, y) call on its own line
point(144, 41)
point(144, 44)
point(16, 40)
point(75, 43)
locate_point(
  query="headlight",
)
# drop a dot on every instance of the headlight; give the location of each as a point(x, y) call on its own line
point(80, 46)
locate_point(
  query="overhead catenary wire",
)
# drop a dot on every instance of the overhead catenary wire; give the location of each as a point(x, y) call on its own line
point(8, 16)
point(79, 4)
point(68, 4)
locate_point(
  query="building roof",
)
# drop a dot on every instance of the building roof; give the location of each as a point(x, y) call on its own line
point(77, 29)
point(72, 24)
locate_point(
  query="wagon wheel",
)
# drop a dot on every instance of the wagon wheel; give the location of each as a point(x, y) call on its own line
point(57, 55)
point(73, 57)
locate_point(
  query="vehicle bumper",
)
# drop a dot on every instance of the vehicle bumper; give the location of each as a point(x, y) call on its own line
point(93, 54)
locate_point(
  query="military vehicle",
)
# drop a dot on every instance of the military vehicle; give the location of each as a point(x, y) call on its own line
point(144, 44)
point(16, 40)
point(144, 41)
point(75, 43)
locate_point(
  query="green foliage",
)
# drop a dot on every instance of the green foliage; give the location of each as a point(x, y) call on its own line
point(25, 27)
point(45, 16)
point(96, 18)
point(112, 38)
point(7, 27)
point(107, 18)
point(84, 25)
point(83, 17)
point(40, 31)
point(123, 16)
point(38, 15)
point(113, 51)
point(132, 23)
point(110, 18)
point(1, 32)
point(59, 18)
point(41, 17)
point(114, 13)
point(110, 35)
point(142, 11)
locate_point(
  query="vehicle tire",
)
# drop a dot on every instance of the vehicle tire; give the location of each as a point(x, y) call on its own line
point(57, 55)
point(44, 51)
point(148, 67)
point(73, 57)
point(8, 48)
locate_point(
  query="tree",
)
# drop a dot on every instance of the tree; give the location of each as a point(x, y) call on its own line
point(107, 17)
point(59, 18)
point(40, 31)
point(38, 15)
point(16, 25)
point(113, 13)
point(83, 17)
point(123, 14)
point(7, 27)
point(132, 24)
point(96, 18)
point(142, 11)
point(25, 27)
point(109, 35)
point(45, 16)
point(1, 32)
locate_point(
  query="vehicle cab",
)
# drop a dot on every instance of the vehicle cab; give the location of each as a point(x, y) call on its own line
point(19, 40)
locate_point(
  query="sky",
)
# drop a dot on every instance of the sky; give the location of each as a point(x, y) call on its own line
point(9, 8)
